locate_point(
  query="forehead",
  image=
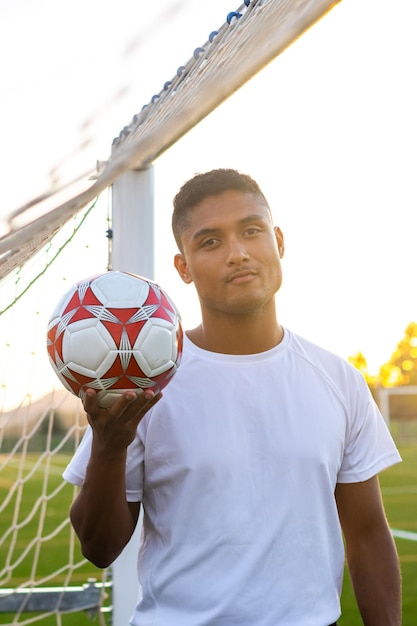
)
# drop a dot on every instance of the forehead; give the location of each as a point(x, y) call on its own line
point(225, 209)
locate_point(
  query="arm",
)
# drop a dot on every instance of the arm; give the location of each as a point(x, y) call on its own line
point(371, 552)
point(102, 518)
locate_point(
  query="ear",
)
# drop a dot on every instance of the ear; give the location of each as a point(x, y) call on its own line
point(280, 241)
point(182, 268)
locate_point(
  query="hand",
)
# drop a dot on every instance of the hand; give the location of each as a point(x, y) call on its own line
point(115, 428)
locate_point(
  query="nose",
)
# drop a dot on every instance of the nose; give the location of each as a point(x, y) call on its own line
point(236, 252)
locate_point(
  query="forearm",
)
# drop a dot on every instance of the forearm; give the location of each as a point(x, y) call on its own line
point(100, 514)
point(102, 518)
point(376, 579)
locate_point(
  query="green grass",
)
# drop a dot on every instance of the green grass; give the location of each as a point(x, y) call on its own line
point(399, 488)
point(24, 512)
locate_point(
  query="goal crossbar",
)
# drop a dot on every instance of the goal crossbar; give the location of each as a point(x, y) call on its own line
point(250, 38)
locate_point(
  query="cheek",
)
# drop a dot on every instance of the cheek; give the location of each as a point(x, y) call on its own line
point(198, 273)
point(207, 280)
point(275, 269)
point(274, 260)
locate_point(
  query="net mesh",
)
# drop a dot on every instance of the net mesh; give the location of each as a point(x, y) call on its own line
point(40, 427)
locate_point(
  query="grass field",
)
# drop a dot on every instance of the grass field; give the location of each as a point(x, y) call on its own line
point(32, 515)
point(399, 488)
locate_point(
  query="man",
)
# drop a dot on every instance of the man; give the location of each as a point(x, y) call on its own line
point(260, 444)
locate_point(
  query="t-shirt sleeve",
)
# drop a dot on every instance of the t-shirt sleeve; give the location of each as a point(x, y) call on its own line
point(370, 447)
point(75, 471)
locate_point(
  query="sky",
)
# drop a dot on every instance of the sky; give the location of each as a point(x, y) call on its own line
point(328, 129)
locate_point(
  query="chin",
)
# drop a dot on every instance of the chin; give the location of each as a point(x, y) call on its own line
point(249, 306)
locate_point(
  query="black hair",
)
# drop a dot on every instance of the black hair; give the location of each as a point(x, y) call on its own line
point(204, 185)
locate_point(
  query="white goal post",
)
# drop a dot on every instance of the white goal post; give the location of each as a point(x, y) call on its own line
point(385, 393)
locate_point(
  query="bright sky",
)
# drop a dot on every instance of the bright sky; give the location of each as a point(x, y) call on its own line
point(328, 129)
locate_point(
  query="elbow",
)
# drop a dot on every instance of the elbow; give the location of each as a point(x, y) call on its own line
point(97, 556)
point(102, 536)
point(96, 549)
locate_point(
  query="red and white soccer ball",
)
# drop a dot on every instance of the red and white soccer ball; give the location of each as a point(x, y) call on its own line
point(113, 332)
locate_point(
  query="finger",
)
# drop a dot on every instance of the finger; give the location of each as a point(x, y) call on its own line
point(153, 400)
point(142, 403)
point(90, 401)
point(131, 404)
point(127, 399)
point(135, 411)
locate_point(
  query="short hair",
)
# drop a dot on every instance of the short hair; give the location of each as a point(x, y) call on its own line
point(201, 186)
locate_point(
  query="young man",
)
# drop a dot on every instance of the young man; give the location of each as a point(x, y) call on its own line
point(261, 450)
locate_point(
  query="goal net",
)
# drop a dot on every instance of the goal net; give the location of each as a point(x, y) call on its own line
point(43, 576)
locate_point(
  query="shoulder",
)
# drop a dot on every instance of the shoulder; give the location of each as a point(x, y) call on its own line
point(320, 357)
point(325, 370)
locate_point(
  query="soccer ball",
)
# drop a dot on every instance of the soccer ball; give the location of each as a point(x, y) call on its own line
point(113, 332)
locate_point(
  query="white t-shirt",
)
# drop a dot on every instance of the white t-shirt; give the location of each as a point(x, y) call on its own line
point(236, 468)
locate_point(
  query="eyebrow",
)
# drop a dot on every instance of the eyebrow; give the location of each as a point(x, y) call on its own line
point(255, 217)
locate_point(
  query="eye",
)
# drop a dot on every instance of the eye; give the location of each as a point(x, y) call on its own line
point(253, 230)
point(209, 243)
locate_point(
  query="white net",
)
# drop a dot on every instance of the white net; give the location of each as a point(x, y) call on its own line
point(43, 576)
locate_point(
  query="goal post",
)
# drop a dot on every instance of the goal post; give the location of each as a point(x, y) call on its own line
point(132, 251)
point(385, 393)
point(132, 230)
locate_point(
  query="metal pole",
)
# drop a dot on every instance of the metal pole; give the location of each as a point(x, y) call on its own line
point(132, 251)
point(133, 223)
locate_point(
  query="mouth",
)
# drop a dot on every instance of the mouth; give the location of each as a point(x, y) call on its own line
point(242, 276)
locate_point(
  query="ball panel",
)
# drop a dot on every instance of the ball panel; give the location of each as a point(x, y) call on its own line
point(155, 348)
point(86, 344)
point(162, 380)
point(54, 342)
point(126, 331)
point(120, 290)
point(69, 384)
point(158, 305)
point(77, 381)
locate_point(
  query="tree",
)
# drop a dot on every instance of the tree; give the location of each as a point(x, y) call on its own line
point(359, 361)
point(401, 369)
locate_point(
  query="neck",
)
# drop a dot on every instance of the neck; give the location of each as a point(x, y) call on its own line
point(237, 334)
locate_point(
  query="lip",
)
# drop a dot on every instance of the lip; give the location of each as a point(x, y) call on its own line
point(241, 277)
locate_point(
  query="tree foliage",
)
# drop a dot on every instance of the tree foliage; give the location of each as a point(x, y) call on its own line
point(401, 369)
point(359, 361)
